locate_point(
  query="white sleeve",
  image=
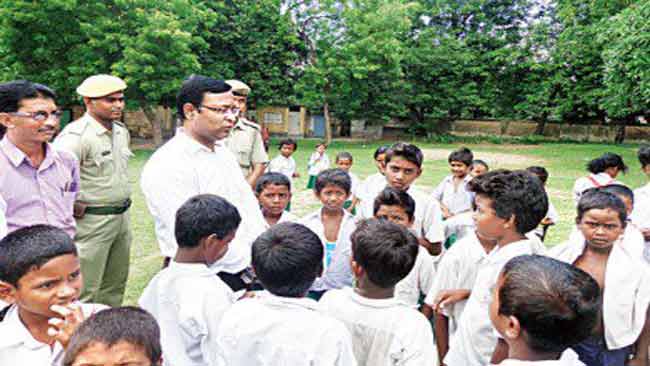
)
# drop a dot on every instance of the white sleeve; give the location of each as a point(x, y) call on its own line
point(424, 351)
point(432, 224)
point(552, 213)
point(427, 274)
point(438, 191)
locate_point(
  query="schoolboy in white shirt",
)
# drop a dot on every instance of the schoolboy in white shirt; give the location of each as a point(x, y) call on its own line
point(282, 326)
point(344, 162)
point(385, 331)
point(187, 299)
point(333, 225)
point(452, 192)
point(284, 163)
point(641, 215)
point(540, 308)
point(508, 205)
point(398, 207)
point(603, 171)
point(367, 189)
point(273, 191)
point(623, 335)
point(40, 276)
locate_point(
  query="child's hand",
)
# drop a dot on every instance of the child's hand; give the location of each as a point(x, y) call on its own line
point(445, 212)
point(61, 329)
point(646, 234)
point(449, 297)
point(547, 221)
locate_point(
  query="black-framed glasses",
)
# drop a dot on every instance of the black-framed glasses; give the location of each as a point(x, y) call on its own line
point(222, 110)
point(40, 116)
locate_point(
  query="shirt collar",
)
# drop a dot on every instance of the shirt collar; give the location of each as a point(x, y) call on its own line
point(373, 303)
point(191, 144)
point(17, 156)
point(281, 301)
point(191, 268)
point(509, 250)
point(13, 332)
point(95, 126)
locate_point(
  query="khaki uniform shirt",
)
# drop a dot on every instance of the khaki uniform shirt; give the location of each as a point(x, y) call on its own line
point(245, 141)
point(103, 157)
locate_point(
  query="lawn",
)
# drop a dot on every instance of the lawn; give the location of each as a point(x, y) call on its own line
point(565, 162)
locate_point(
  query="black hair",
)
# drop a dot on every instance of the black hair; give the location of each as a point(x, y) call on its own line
point(128, 324)
point(480, 162)
point(381, 150)
point(605, 161)
point(597, 199)
point(322, 143)
point(393, 197)
point(193, 90)
point(13, 92)
point(202, 216)
point(336, 177)
point(344, 155)
point(288, 142)
point(513, 193)
point(385, 250)
point(287, 259)
point(29, 248)
point(556, 304)
point(463, 155)
point(409, 152)
point(619, 190)
point(539, 171)
point(644, 155)
point(273, 178)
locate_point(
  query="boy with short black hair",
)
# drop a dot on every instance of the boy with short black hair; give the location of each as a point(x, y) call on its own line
point(187, 298)
point(552, 216)
point(333, 225)
point(41, 277)
point(344, 162)
point(452, 192)
point(398, 207)
point(508, 205)
point(367, 189)
point(385, 330)
point(478, 167)
point(623, 279)
point(284, 163)
point(282, 326)
point(318, 161)
point(541, 307)
point(273, 191)
point(641, 215)
point(120, 336)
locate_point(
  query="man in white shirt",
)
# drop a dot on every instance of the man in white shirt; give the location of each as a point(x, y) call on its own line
point(186, 298)
point(194, 162)
point(282, 326)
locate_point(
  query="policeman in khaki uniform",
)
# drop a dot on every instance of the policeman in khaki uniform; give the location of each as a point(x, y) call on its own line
point(245, 140)
point(101, 143)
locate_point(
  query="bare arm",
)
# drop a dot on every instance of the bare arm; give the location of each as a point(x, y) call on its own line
point(641, 345)
point(258, 170)
point(500, 352)
point(441, 331)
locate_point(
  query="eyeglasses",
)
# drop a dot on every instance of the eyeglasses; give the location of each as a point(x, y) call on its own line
point(223, 110)
point(40, 116)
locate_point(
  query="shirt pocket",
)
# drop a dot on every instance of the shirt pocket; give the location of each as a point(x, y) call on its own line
point(244, 155)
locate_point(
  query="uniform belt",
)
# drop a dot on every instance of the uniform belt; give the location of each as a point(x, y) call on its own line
point(109, 210)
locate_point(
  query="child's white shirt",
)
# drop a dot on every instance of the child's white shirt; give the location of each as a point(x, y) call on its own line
point(418, 282)
point(188, 300)
point(591, 181)
point(456, 199)
point(286, 166)
point(370, 186)
point(475, 339)
point(317, 163)
point(458, 269)
point(626, 293)
point(273, 330)
point(641, 213)
point(286, 217)
point(384, 331)
point(354, 191)
point(632, 240)
point(338, 273)
point(18, 346)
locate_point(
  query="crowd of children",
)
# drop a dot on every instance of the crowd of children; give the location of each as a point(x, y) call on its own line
point(381, 274)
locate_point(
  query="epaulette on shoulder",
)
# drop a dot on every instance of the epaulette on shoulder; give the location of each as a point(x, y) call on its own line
point(251, 124)
point(76, 127)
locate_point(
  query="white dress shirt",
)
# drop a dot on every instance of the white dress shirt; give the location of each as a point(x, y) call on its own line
point(286, 217)
point(385, 332)
point(338, 273)
point(475, 339)
point(286, 166)
point(641, 213)
point(456, 199)
point(458, 269)
point(632, 240)
point(188, 301)
point(317, 163)
point(183, 168)
point(18, 346)
point(568, 358)
point(3, 219)
point(626, 292)
point(591, 181)
point(368, 187)
point(418, 282)
point(273, 330)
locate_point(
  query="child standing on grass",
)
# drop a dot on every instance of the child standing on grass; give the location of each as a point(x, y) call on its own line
point(384, 330)
point(333, 225)
point(603, 171)
point(641, 214)
point(318, 161)
point(508, 205)
point(284, 163)
point(273, 191)
point(623, 279)
point(452, 192)
point(344, 162)
point(551, 216)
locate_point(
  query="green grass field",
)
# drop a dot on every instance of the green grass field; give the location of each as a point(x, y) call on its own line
point(565, 163)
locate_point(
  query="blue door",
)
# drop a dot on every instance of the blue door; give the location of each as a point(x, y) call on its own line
point(319, 126)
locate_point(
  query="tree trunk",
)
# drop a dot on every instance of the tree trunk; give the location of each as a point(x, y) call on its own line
point(328, 123)
point(620, 130)
point(156, 124)
point(541, 124)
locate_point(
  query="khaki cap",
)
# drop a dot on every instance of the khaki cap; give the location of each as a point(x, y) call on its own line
point(101, 85)
point(239, 87)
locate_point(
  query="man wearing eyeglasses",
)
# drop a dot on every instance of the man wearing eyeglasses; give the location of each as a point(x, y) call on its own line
point(195, 162)
point(245, 139)
point(101, 143)
point(38, 183)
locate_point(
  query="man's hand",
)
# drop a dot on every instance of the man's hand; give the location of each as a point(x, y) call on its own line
point(448, 298)
point(61, 329)
point(646, 234)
